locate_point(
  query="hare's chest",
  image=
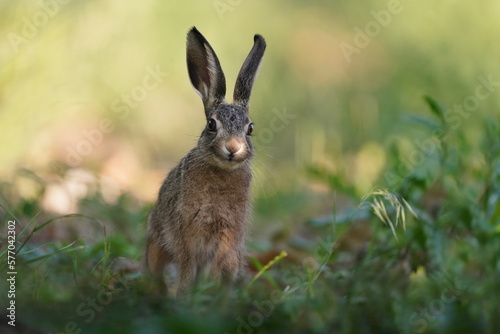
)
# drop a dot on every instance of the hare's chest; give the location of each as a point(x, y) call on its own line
point(218, 209)
point(218, 193)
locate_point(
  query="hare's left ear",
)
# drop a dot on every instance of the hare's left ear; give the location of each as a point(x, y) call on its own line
point(205, 71)
point(248, 73)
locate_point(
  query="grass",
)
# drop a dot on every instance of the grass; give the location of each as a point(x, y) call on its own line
point(419, 254)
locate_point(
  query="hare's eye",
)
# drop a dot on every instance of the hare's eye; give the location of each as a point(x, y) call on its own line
point(212, 125)
point(250, 129)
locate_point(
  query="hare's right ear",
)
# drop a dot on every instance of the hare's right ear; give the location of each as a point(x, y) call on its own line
point(204, 70)
point(248, 72)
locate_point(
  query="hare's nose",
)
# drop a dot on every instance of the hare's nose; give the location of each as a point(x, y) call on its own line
point(233, 146)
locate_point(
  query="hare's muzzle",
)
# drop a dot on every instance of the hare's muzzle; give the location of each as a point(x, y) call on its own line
point(234, 149)
point(233, 146)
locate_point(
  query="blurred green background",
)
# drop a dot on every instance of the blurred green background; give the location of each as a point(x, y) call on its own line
point(62, 74)
point(367, 115)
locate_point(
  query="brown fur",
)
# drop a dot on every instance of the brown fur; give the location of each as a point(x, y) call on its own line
point(199, 221)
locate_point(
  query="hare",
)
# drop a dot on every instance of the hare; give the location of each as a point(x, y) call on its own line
point(199, 222)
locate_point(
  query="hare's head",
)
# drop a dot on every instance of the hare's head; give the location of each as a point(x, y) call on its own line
point(225, 140)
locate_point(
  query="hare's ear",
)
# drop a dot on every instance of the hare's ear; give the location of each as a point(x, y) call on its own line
point(204, 70)
point(248, 72)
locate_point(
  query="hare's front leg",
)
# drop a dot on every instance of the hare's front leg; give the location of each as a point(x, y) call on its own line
point(187, 273)
point(227, 260)
point(157, 258)
point(225, 267)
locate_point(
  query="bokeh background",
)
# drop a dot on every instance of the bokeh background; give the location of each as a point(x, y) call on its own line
point(96, 107)
point(62, 74)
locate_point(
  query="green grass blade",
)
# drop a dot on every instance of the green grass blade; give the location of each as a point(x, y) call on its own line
point(265, 268)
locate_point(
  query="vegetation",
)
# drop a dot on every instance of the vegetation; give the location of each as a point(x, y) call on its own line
point(377, 175)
